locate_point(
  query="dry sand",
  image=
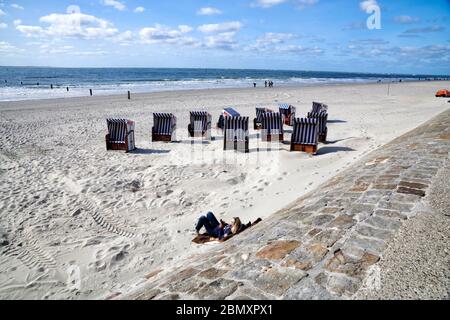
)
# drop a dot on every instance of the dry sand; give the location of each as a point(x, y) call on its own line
point(79, 222)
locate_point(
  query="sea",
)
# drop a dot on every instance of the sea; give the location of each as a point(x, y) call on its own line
point(30, 83)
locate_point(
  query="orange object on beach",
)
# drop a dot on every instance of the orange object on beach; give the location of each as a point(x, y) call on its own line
point(443, 93)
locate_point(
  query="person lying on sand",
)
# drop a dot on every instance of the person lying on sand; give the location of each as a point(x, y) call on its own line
point(218, 230)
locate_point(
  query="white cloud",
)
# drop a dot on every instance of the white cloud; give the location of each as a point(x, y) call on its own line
point(221, 27)
point(31, 31)
point(16, 6)
point(47, 49)
point(268, 40)
point(406, 19)
point(114, 3)
point(2, 13)
point(124, 38)
point(299, 49)
point(272, 37)
point(6, 47)
point(225, 41)
point(17, 22)
point(208, 11)
point(90, 53)
point(367, 4)
point(165, 35)
point(3, 25)
point(70, 25)
point(268, 3)
point(426, 29)
point(301, 4)
point(139, 10)
point(185, 29)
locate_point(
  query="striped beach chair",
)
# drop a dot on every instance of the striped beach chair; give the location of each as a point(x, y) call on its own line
point(288, 113)
point(200, 124)
point(259, 113)
point(164, 125)
point(305, 135)
point(322, 119)
point(227, 112)
point(236, 134)
point(319, 107)
point(272, 127)
point(120, 135)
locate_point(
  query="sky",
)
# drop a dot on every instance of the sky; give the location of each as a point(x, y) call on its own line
point(374, 36)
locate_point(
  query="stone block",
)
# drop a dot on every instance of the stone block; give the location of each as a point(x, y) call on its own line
point(319, 220)
point(342, 222)
point(212, 273)
point(278, 249)
point(371, 232)
point(305, 259)
point(218, 289)
point(277, 281)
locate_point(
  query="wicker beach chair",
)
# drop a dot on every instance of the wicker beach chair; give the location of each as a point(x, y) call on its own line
point(200, 124)
point(164, 125)
point(272, 127)
point(305, 135)
point(259, 113)
point(227, 112)
point(319, 107)
point(288, 113)
point(322, 119)
point(236, 134)
point(120, 135)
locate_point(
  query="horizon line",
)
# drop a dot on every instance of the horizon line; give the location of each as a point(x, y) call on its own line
point(249, 69)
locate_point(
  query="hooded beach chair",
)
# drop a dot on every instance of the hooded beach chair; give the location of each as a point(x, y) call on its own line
point(322, 119)
point(319, 107)
point(288, 113)
point(200, 124)
point(305, 135)
point(236, 135)
point(120, 135)
point(227, 112)
point(272, 127)
point(164, 125)
point(259, 113)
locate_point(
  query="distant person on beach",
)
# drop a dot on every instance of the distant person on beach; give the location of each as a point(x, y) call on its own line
point(254, 85)
point(265, 84)
point(218, 230)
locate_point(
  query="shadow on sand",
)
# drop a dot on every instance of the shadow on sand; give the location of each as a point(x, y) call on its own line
point(195, 141)
point(149, 151)
point(336, 121)
point(327, 150)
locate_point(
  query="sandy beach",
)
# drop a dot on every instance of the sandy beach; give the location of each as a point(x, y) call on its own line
point(78, 222)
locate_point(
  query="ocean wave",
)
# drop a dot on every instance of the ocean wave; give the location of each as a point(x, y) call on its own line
point(32, 92)
point(20, 83)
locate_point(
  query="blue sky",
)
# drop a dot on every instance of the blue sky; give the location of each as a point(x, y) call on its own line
point(328, 35)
